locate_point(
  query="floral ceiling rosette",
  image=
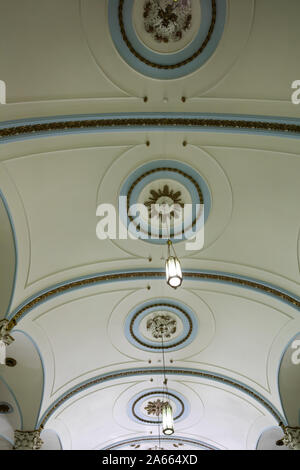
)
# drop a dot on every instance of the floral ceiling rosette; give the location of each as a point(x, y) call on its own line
point(167, 20)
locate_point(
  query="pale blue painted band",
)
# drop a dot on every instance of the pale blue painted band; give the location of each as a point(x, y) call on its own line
point(2, 197)
point(166, 59)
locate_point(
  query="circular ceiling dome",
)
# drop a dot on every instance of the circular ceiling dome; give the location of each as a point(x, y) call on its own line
point(166, 39)
point(145, 407)
point(147, 323)
point(175, 197)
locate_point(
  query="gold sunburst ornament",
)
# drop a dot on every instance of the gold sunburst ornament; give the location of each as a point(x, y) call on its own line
point(164, 204)
point(155, 407)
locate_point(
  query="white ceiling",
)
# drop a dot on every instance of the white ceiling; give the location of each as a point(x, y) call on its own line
point(60, 60)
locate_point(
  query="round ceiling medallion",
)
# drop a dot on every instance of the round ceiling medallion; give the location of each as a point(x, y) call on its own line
point(166, 39)
point(146, 406)
point(147, 324)
point(166, 189)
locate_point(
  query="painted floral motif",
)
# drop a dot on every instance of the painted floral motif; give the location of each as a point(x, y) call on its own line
point(167, 20)
point(162, 326)
point(155, 407)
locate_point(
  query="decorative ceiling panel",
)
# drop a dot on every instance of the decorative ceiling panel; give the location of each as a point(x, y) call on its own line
point(161, 102)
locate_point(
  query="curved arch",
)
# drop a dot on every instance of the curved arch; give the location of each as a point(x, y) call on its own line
point(184, 440)
point(290, 406)
point(28, 392)
point(15, 249)
point(158, 371)
point(51, 440)
point(22, 129)
point(6, 440)
point(277, 435)
point(4, 382)
point(42, 363)
point(2, 92)
point(198, 275)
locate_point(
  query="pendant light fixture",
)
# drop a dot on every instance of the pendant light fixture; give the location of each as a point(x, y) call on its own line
point(173, 268)
point(167, 412)
point(167, 419)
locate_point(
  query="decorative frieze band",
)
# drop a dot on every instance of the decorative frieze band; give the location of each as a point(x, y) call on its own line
point(205, 276)
point(119, 122)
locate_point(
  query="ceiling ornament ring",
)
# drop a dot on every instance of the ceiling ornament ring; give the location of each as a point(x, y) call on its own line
point(167, 171)
point(149, 311)
point(167, 66)
point(136, 413)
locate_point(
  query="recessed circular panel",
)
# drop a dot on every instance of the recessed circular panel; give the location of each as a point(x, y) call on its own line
point(173, 194)
point(145, 406)
point(148, 323)
point(166, 39)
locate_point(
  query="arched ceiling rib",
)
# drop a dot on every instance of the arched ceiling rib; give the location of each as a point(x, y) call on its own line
point(8, 257)
point(80, 127)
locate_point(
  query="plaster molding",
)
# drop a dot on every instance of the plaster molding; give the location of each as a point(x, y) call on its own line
point(28, 440)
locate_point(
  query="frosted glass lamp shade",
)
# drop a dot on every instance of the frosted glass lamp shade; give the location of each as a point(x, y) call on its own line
point(167, 419)
point(173, 272)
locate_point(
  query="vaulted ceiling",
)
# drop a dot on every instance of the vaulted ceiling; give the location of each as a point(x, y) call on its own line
point(98, 108)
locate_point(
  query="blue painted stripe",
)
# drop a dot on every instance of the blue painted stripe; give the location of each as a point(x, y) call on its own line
point(7, 439)
point(279, 368)
point(153, 115)
point(13, 230)
point(15, 399)
point(43, 367)
point(166, 59)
